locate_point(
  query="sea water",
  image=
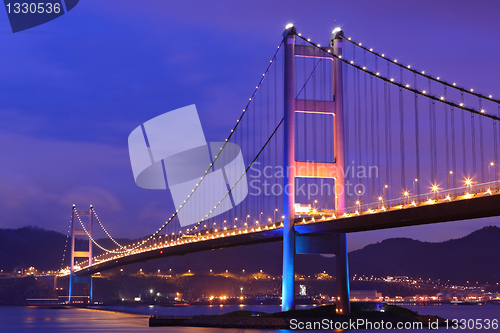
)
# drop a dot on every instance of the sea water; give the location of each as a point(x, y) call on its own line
point(123, 319)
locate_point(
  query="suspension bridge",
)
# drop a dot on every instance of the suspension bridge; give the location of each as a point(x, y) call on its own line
point(336, 139)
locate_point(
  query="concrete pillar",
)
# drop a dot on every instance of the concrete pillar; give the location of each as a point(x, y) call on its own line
point(72, 249)
point(338, 93)
point(91, 284)
point(288, 293)
point(84, 254)
point(343, 297)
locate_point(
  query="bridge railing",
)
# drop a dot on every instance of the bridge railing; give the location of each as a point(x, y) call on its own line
point(435, 194)
point(175, 240)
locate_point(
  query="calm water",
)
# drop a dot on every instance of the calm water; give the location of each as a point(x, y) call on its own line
point(32, 319)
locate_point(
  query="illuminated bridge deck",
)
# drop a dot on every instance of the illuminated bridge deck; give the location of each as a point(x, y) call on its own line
point(480, 205)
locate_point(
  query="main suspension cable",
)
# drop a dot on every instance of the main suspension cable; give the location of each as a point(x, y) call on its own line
point(104, 229)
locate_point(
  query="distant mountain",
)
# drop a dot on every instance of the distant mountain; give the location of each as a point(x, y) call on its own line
point(472, 258)
point(31, 246)
point(37, 247)
point(43, 249)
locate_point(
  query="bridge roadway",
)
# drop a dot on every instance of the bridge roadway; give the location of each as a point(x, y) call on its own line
point(435, 211)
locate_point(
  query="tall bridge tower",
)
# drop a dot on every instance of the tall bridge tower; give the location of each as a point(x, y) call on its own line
point(294, 243)
point(77, 281)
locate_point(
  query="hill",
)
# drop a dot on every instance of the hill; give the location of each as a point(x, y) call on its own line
point(31, 246)
point(470, 258)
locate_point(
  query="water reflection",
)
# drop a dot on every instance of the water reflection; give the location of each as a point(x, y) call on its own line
point(41, 320)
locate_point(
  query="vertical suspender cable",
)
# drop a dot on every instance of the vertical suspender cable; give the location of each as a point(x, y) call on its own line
point(401, 132)
point(253, 151)
point(299, 116)
point(417, 139)
point(495, 140)
point(481, 142)
point(276, 124)
point(324, 123)
point(447, 139)
point(355, 122)
point(453, 155)
point(327, 153)
point(314, 120)
point(386, 137)
point(262, 139)
point(326, 97)
point(431, 136)
point(329, 94)
point(464, 155)
point(347, 141)
point(473, 156)
point(357, 112)
point(377, 125)
point(304, 118)
point(390, 132)
point(434, 139)
point(268, 160)
point(365, 116)
point(247, 144)
point(360, 156)
point(372, 132)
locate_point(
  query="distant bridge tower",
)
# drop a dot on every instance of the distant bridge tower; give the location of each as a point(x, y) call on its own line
point(294, 243)
point(74, 281)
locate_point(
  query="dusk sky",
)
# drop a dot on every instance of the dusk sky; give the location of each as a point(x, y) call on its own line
point(73, 89)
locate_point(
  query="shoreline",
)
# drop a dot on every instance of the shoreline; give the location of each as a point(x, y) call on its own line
point(367, 313)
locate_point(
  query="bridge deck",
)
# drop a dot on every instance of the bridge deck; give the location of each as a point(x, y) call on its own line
point(460, 208)
point(464, 209)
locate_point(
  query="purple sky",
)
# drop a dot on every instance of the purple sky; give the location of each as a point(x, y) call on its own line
point(72, 90)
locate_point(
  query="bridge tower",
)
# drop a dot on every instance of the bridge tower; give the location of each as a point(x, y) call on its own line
point(78, 280)
point(294, 243)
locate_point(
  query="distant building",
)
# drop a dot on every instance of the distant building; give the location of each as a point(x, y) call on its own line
point(18, 270)
point(444, 296)
point(458, 296)
point(31, 271)
point(175, 296)
point(365, 295)
point(492, 296)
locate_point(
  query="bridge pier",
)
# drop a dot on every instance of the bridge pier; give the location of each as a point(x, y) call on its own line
point(72, 298)
point(288, 280)
point(343, 294)
point(338, 245)
point(330, 243)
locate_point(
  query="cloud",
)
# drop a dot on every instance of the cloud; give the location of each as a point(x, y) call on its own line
point(37, 174)
point(152, 211)
point(90, 194)
point(40, 179)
